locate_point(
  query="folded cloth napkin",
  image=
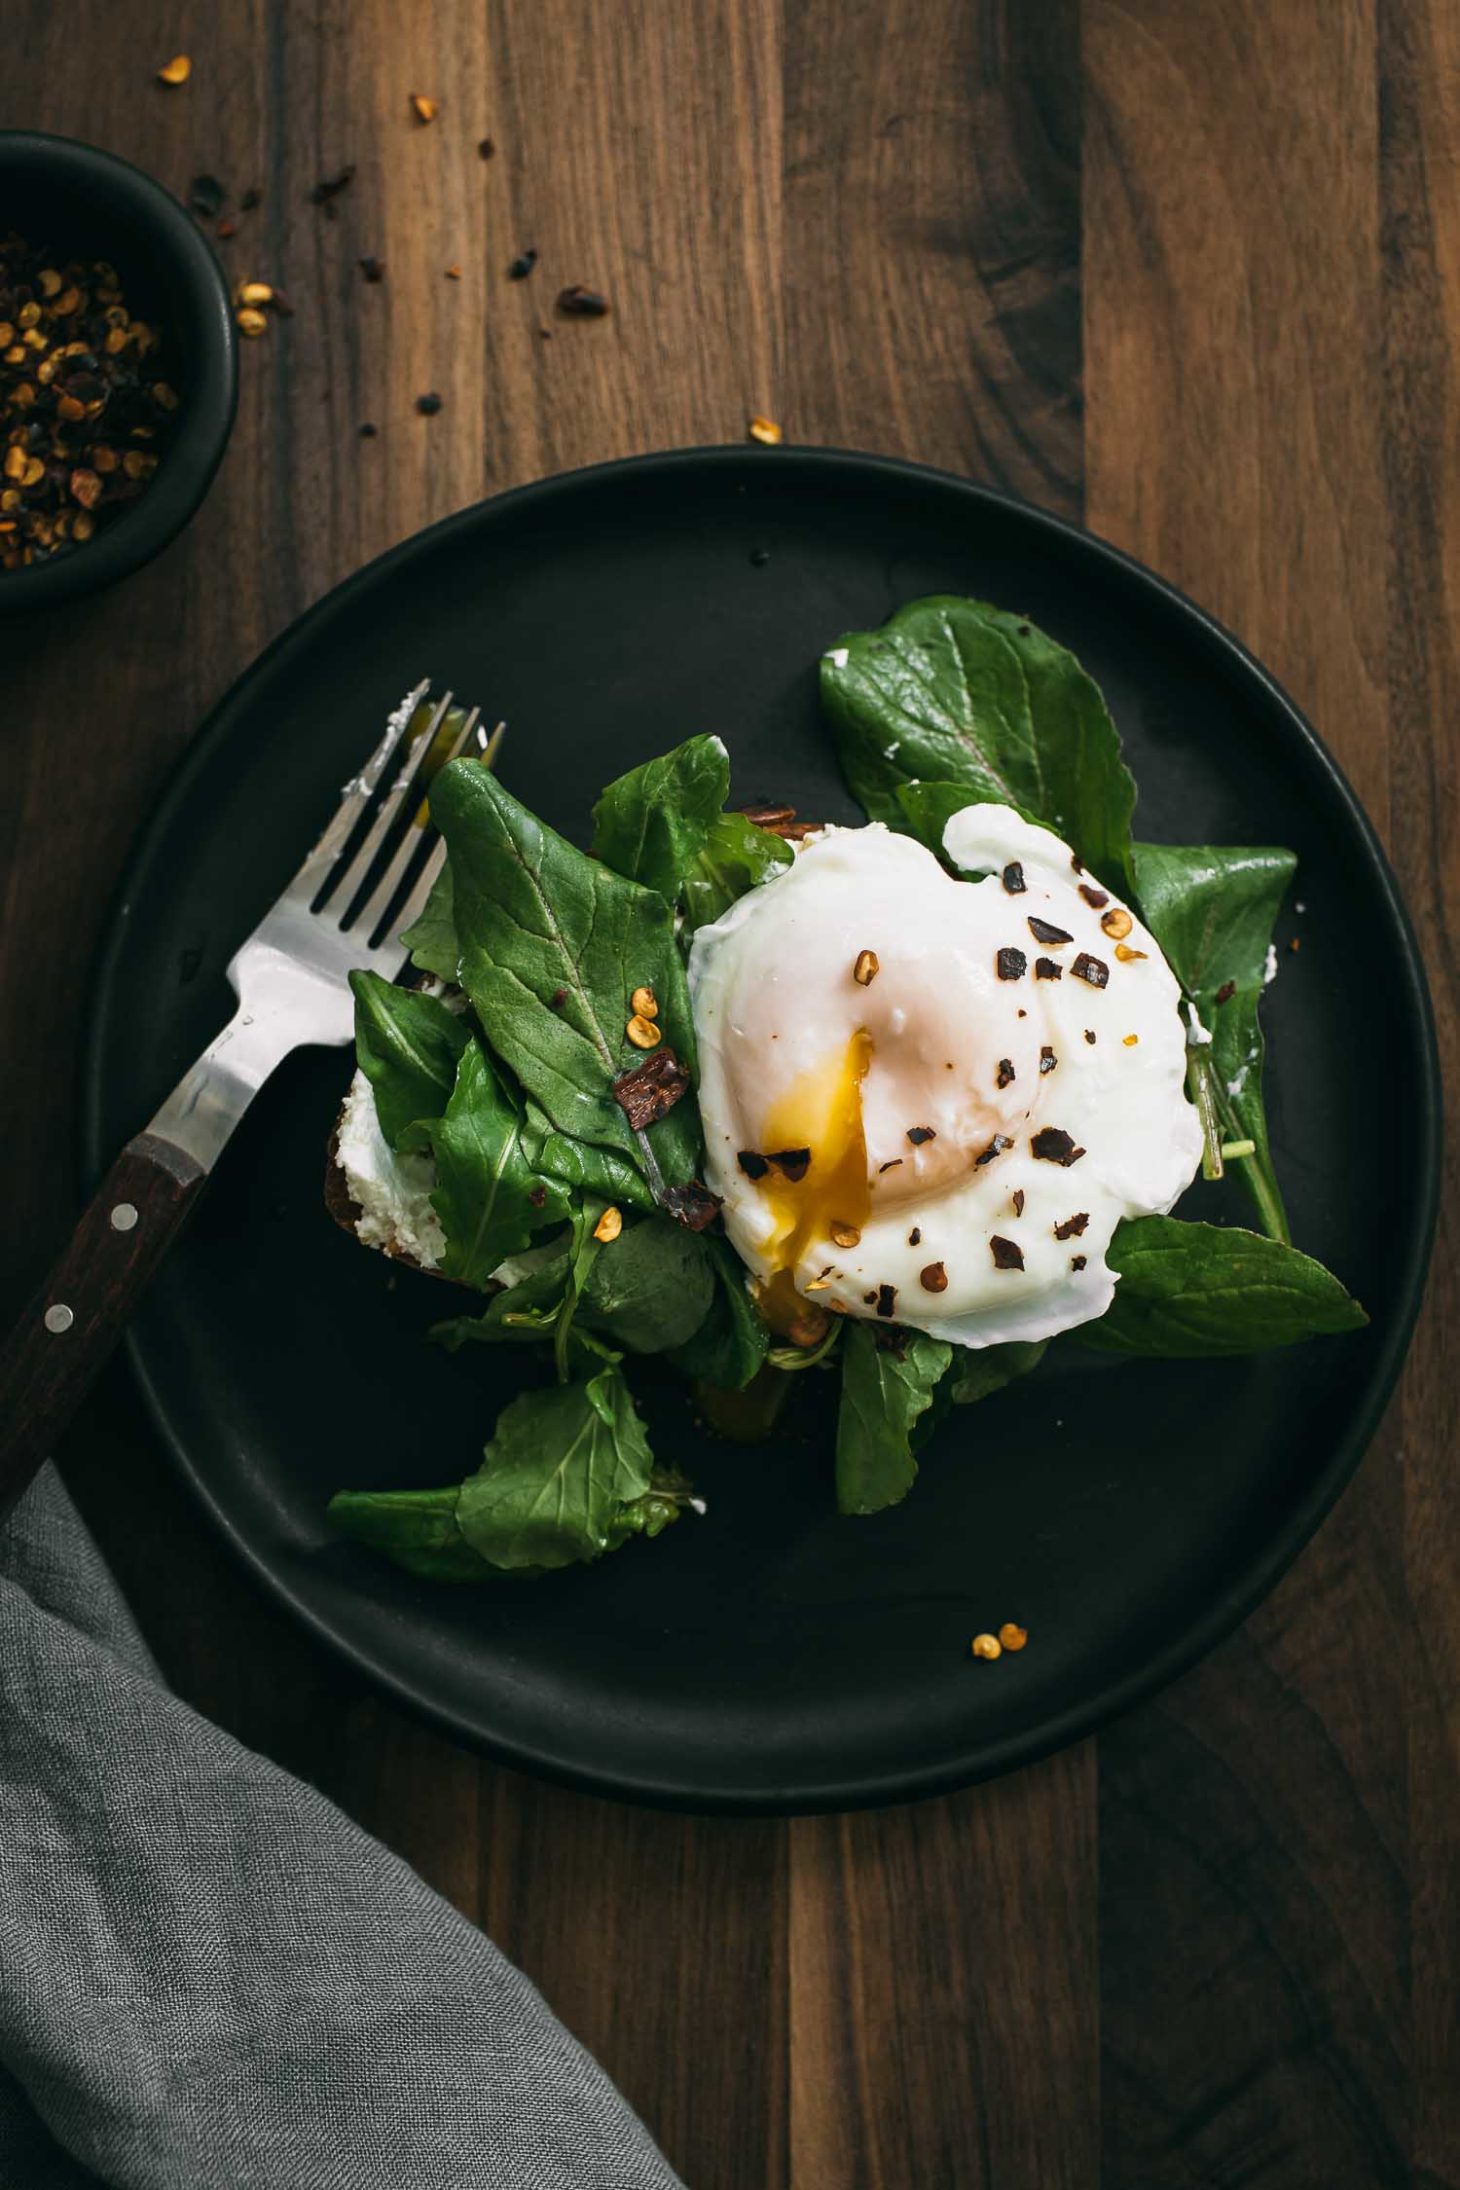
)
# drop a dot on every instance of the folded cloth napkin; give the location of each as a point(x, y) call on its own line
point(210, 1979)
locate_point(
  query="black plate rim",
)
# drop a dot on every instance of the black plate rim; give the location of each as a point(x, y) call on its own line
point(1223, 1613)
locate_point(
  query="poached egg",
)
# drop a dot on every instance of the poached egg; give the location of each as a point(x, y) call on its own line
point(930, 1100)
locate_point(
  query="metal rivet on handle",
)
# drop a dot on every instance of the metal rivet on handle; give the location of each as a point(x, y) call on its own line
point(59, 1318)
point(124, 1217)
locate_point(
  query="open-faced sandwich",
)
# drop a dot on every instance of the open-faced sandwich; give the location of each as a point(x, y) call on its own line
point(903, 1104)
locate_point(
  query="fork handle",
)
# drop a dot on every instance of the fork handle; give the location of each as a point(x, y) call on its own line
point(55, 1352)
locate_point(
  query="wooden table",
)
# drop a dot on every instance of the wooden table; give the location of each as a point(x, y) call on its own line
point(1188, 270)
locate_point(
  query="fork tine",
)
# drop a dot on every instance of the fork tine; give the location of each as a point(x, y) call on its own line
point(354, 798)
point(425, 881)
point(378, 904)
point(347, 886)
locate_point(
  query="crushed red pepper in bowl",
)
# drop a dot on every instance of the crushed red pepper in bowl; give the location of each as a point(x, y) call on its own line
point(85, 413)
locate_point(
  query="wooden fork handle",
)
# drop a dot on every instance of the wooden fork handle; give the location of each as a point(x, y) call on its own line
point(54, 1353)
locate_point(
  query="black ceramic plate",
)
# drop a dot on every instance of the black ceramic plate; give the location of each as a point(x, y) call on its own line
point(772, 1656)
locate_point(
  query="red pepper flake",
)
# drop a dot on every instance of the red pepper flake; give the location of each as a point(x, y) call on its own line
point(1013, 879)
point(1226, 992)
point(1296, 943)
point(693, 1206)
point(917, 1134)
point(424, 109)
point(914, 1237)
point(1090, 1036)
point(368, 431)
point(1007, 1253)
point(893, 1163)
point(328, 189)
point(933, 1279)
point(754, 1166)
point(1095, 899)
point(652, 1089)
point(792, 1163)
point(1072, 1226)
point(537, 1195)
point(1005, 1075)
point(373, 269)
point(453, 273)
point(522, 265)
point(1093, 970)
point(486, 149)
point(886, 1299)
point(996, 1147)
point(1010, 964)
point(558, 998)
point(1045, 931)
point(226, 231)
point(205, 197)
point(578, 302)
point(1019, 1201)
point(1077, 1262)
point(1053, 1145)
point(1047, 1060)
point(428, 405)
point(1048, 969)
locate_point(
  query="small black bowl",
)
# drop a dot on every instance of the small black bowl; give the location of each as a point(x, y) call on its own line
point(75, 199)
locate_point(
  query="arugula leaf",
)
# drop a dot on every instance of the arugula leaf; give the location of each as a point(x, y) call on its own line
point(735, 857)
point(651, 822)
point(524, 1312)
point(1212, 909)
point(407, 1045)
point(416, 1528)
point(732, 1341)
point(651, 1288)
point(539, 920)
point(580, 1164)
point(563, 1470)
point(883, 1393)
point(954, 691)
point(567, 1476)
point(990, 1368)
point(1191, 1290)
point(489, 1196)
point(432, 940)
point(662, 825)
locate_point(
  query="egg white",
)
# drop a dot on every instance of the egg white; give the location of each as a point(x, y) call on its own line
point(955, 1057)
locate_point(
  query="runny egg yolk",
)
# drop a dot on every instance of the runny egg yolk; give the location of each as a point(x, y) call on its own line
point(822, 1112)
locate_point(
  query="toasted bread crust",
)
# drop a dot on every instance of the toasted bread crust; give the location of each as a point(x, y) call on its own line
point(347, 1212)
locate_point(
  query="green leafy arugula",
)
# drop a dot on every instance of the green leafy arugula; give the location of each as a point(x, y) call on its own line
point(651, 1288)
point(489, 1195)
point(954, 691)
point(553, 945)
point(731, 1343)
point(1212, 910)
point(432, 940)
point(567, 1476)
point(662, 825)
point(883, 1394)
point(408, 1046)
point(1190, 1290)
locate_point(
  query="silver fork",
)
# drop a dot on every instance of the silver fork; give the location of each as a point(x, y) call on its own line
point(290, 981)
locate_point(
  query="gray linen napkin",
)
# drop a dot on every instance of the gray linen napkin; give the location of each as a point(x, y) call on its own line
point(210, 1977)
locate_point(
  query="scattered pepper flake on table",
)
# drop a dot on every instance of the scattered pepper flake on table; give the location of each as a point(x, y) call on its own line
point(766, 431)
point(368, 431)
point(485, 148)
point(205, 196)
point(428, 405)
point(373, 269)
point(176, 71)
point(453, 273)
point(579, 302)
point(522, 265)
point(424, 109)
point(328, 188)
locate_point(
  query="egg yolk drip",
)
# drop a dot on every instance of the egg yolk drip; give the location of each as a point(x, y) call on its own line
point(821, 1112)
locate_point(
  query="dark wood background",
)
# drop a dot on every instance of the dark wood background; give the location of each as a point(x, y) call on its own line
point(1188, 270)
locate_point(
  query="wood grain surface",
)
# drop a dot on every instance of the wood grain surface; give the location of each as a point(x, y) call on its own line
point(1189, 269)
